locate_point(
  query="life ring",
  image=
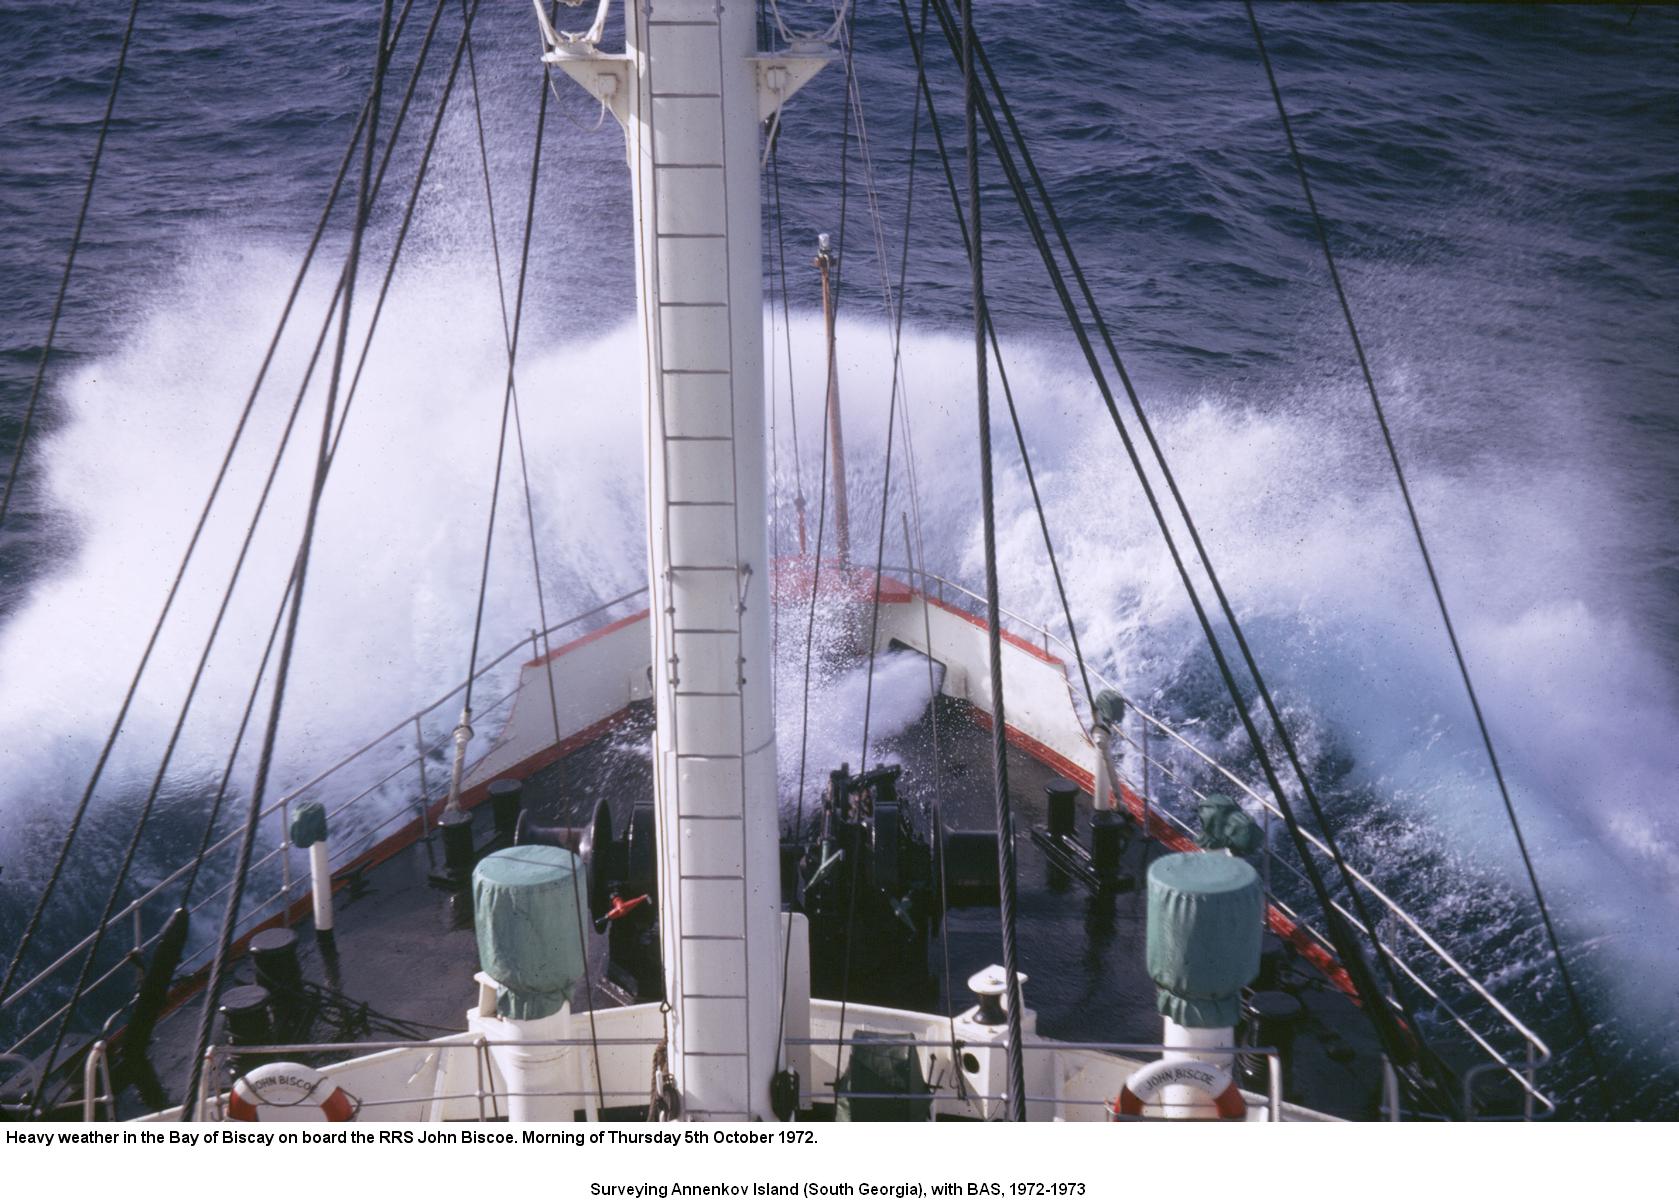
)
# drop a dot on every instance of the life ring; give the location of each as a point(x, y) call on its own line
point(1145, 1085)
point(289, 1092)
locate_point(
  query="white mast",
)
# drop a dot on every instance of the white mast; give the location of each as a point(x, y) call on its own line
point(690, 91)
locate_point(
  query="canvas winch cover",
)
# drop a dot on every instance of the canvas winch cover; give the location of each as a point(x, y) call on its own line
point(1206, 913)
point(525, 907)
point(883, 1063)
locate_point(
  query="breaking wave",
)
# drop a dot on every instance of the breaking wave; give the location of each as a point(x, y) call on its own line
point(1291, 492)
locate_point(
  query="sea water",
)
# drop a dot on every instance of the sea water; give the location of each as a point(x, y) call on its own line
point(1498, 184)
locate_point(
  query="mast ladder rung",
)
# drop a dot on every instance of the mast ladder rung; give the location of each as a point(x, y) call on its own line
point(704, 630)
point(701, 567)
point(708, 695)
point(699, 438)
point(715, 1055)
point(732, 876)
point(687, 96)
point(713, 996)
point(687, 166)
point(693, 304)
point(699, 504)
point(682, 24)
point(694, 371)
point(711, 817)
point(714, 938)
point(709, 237)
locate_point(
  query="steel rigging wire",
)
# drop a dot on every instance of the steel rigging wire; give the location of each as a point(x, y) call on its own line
point(1574, 1004)
point(896, 312)
point(69, 266)
point(809, 653)
point(288, 644)
point(32, 927)
point(821, 521)
point(399, 242)
point(83, 984)
point(1402, 1041)
point(227, 594)
point(787, 330)
point(993, 625)
point(900, 398)
point(854, 102)
point(510, 403)
point(396, 252)
point(916, 44)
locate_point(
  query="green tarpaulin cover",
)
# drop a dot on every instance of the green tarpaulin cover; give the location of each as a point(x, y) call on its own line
point(1224, 827)
point(525, 905)
point(1205, 916)
point(883, 1063)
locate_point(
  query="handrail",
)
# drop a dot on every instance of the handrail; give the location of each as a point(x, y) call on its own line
point(134, 907)
point(211, 1102)
point(1538, 1052)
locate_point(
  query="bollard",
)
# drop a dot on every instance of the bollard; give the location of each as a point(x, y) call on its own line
point(456, 826)
point(245, 1014)
point(1270, 1019)
point(274, 952)
point(1107, 844)
point(1063, 801)
point(505, 800)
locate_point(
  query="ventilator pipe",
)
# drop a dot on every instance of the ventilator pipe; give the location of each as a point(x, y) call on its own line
point(534, 1075)
point(463, 735)
point(1104, 799)
point(1206, 916)
point(308, 831)
point(320, 881)
point(528, 925)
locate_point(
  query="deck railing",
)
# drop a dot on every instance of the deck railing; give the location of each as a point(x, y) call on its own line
point(1510, 1048)
point(1523, 1052)
point(289, 886)
point(486, 1097)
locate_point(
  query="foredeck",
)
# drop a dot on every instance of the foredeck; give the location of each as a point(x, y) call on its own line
point(404, 955)
point(404, 947)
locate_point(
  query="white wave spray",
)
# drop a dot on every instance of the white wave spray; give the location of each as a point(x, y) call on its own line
point(1290, 493)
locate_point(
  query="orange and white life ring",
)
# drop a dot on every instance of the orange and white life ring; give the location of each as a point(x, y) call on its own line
point(1146, 1084)
point(289, 1092)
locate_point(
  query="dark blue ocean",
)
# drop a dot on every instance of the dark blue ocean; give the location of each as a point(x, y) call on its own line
point(1501, 186)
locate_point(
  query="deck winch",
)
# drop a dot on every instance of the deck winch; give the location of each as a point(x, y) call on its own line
point(622, 890)
point(866, 883)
